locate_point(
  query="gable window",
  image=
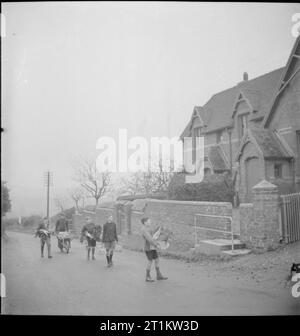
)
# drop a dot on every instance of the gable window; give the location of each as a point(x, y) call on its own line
point(243, 124)
point(219, 137)
point(196, 134)
point(207, 171)
point(278, 170)
point(197, 131)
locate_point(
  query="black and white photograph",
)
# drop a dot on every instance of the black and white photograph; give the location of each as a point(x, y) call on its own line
point(150, 161)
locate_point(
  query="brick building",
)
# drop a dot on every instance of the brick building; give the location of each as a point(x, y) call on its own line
point(253, 129)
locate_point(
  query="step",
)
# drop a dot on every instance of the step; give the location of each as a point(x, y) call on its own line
point(237, 252)
point(217, 246)
point(225, 244)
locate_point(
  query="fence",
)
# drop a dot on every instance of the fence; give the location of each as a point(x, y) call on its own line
point(226, 232)
point(290, 217)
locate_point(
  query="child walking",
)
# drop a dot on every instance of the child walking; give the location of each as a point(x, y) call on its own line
point(44, 234)
point(151, 247)
point(89, 232)
point(109, 239)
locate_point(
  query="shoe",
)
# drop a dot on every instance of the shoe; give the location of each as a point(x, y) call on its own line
point(159, 276)
point(148, 277)
point(49, 257)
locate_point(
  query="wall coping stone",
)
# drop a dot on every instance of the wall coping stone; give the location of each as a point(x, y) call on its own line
point(265, 185)
point(194, 203)
point(246, 205)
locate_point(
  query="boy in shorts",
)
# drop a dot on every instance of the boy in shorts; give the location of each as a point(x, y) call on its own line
point(88, 231)
point(109, 238)
point(44, 234)
point(151, 247)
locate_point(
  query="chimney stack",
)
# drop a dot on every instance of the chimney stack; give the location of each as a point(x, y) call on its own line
point(245, 76)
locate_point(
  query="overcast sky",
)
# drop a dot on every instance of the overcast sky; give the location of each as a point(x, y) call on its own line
point(73, 72)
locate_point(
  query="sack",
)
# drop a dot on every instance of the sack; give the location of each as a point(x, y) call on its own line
point(162, 236)
point(102, 249)
point(98, 231)
point(118, 248)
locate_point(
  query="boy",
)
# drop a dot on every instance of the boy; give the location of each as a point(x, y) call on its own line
point(44, 234)
point(150, 248)
point(109, 239)
point(61, 226)
point(89, 231)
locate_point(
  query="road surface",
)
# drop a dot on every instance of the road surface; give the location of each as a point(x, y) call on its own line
point(71, 285)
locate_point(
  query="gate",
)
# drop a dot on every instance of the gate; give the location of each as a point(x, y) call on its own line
point(225, 232)
point(290, 217)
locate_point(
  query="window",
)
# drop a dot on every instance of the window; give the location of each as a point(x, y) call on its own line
point(243, 124)
point(219, 137)
point(197, 131)
point(277, 170)
point(207, 171)
point(196, 134)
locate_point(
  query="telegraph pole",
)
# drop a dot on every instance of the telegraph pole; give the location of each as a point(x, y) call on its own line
point(48, 180)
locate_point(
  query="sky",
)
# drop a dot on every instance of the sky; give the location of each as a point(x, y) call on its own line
point(73, 72)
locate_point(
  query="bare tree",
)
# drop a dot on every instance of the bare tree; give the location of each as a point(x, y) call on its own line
point(76, 195)
point(146, 182)
point(95, 183)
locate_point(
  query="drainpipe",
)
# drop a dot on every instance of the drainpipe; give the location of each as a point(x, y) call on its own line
point(230, 149)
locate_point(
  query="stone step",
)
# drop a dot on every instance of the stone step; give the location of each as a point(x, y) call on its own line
point(218, 246)
point(237, 252)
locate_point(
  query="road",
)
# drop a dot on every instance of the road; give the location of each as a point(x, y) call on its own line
point(71, 285)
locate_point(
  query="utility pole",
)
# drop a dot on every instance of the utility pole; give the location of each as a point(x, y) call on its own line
point(48, 181)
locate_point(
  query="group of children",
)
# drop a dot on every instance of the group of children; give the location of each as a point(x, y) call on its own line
point(92, 234)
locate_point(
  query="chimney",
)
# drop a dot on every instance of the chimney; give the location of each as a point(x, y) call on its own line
point(245, 76)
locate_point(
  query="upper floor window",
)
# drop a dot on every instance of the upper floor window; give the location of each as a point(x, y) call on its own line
point(277, 170)
point(197, 131)
point(207, 171)
point(196, 134)
point(243, 124)
point(219, 136)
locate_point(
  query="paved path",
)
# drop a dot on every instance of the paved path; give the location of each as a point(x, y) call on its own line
point(70, 285)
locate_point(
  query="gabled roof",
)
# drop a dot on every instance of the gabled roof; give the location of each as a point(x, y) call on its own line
point(217, 112)
point(242, 97)
point(197, 113)
point(258, 92)
point(268, 143)
point(286, 76)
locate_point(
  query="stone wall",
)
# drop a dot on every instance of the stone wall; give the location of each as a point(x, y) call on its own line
point(260, 225)
point(179, 217)
point(78, 220)
point(246, 219)
point(99, 217)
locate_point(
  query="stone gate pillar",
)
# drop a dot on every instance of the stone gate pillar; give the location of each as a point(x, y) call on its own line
point(127, 209)
point(264, 231)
